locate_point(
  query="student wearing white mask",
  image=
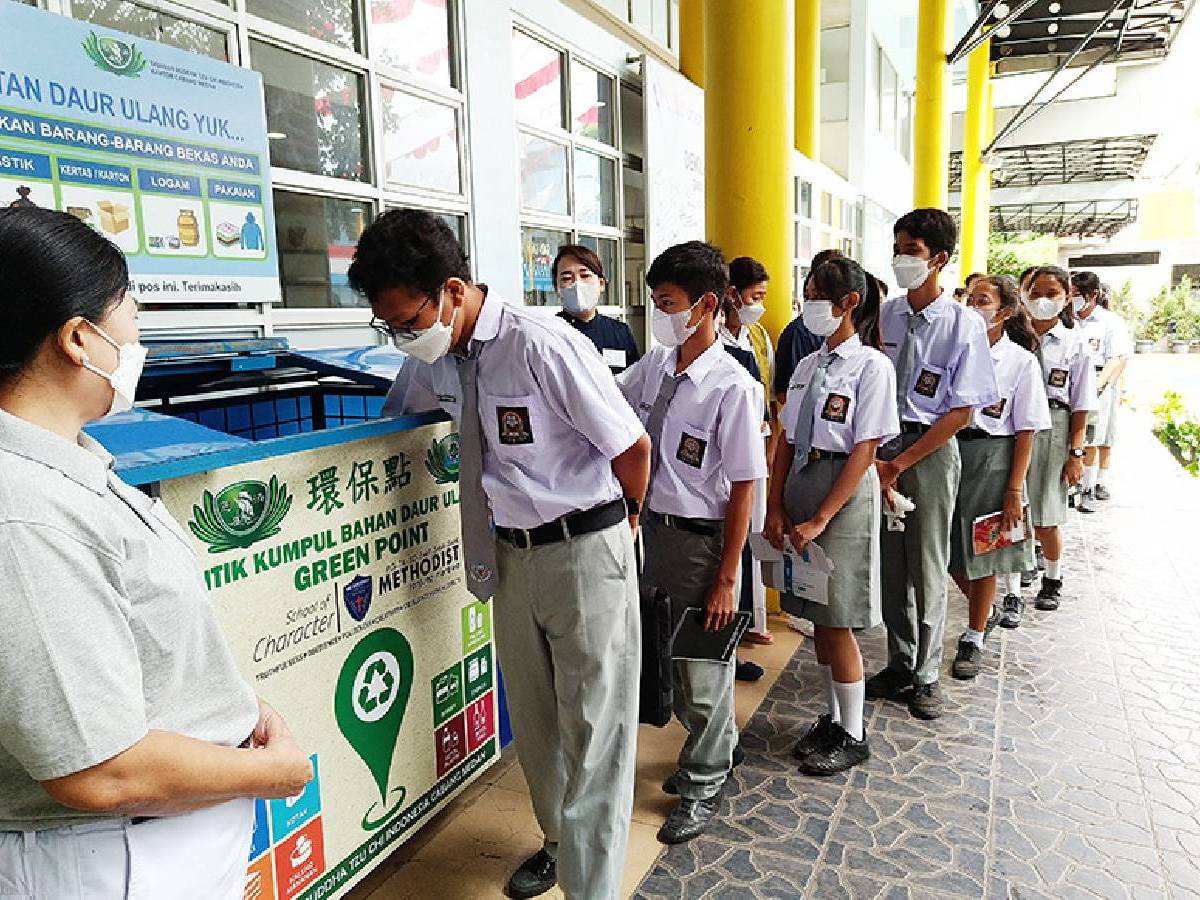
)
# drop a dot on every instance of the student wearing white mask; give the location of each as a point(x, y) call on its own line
point(130, 747)
point(1070, 382)
point(1106, 340)
point(580, 282)
point(841, 405)
point(995, 450)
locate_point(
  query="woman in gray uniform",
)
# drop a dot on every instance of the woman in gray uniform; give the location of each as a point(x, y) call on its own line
point(995, 450)
point(824, 489)
point(130, 748)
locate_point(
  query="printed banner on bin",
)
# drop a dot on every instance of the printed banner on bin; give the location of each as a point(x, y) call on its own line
point(337, 577)
point(162, 151)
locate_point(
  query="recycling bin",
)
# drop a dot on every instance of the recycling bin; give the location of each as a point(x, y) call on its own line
point(328, 538)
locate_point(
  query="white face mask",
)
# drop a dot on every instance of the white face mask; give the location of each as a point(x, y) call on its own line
point(751, 313)
point(988, 315)
point(672, 329)
point(911, 272)
point(819, 318)
point(1043, 308)
point(1080, 303)
point(580, 297)
point(124, 378)
point(432, 343)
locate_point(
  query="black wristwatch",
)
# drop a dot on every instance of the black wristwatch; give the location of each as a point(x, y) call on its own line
point(1078, 453)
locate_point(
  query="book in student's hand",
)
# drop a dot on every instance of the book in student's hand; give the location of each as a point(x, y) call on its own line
point(987, 535)
point(692, 641)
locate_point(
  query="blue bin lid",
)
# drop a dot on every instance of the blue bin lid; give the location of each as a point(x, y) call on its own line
point(376, 365)
point(141, 437)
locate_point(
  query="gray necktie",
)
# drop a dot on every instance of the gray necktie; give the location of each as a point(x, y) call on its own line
point(658, 413)
point(479, 548)
point(808, 406)
point(907, 358)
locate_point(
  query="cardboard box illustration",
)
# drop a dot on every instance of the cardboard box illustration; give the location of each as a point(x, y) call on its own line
point(114, 217)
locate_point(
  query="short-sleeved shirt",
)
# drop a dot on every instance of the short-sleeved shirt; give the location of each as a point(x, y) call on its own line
point(953, 365)
point(1022, 405)
point(712, 432)
point(743, 341)
point(612, 337)
point(1070, 377)
point(795, 343)
point(1105, 336)
point(108, 628)
point(858, 402)
point(553, 419)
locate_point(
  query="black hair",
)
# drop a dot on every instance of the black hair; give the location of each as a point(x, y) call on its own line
point(1085, 282)
point(1018, 326)
point(1067, 316)
point(933, 226)
point(585, 255)
point(882, 286)
point(840, 276)
point(972, 277)
point(411, 249)
point(1025, 274)
point(745, 271)
point(53, 268)
point(696, 266)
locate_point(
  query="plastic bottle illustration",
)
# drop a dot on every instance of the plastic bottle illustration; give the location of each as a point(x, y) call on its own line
point(189, 228)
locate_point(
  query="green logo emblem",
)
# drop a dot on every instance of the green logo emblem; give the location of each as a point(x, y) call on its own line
point(369, 703)
point(112, 55)
point(241, 514)
point(442, 459)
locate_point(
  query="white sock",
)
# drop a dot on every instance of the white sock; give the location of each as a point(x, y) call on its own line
point(1054, 569)
point(1091, 474)
point(1102, 478)
point(850, 701)
point(831, 696)
point(975, 637)
point(1014, 584)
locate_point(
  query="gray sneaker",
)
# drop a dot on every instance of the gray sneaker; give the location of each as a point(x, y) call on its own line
point(1010, 616)
point(926, 702)
point(968, 661)
point(1102, 493)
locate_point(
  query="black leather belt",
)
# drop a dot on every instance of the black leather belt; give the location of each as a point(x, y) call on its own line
point(913, 428)
point(814, 454)
point(1058, 404)
point(706, 527)
point(978, 435)
point(570, 525)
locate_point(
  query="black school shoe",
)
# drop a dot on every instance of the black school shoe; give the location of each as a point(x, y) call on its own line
point(926, 702)
point(744, 670)
point(1010, 614)
point(1102, 493)
point(968, 661)
point(670, 784)
point(888, 684)
point(688, 820)
point(535, 876)
point(1049, 597)
point(842, 753)
point(820, 735)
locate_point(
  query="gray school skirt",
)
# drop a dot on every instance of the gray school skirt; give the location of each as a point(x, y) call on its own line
point(986, 464)
point(851, 541)
point(1044, 483)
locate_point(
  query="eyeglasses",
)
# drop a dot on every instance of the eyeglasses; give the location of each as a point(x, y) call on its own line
point(404, 329)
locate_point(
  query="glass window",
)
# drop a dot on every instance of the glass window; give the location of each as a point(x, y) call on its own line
point(608, 251)
point(153, 25)
point(804, 202)
point(420, 142)
point(335, 21)
point(826, 208)
point(591, 104)
point(316, 237)
point(413, 37)
point(537, 82)
point(595, 189)
point(804, 248)
point(314, 113)
point(887, 98)
point(538, 249)
point(543, 175)
point(904, 130)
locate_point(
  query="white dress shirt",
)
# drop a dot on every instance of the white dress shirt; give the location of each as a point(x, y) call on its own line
point(1105, 336)
point(1070, 377)
point(1022, 405)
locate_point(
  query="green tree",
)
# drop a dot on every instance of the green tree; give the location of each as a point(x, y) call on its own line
point(1012, 253)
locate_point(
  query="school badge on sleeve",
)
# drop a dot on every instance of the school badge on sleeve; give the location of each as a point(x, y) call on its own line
point(515, 425)
point(691, 450)
point(1057, 378)
point(927, 383)
point(837, 407)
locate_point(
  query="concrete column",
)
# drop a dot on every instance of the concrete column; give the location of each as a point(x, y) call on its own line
point(931, 152)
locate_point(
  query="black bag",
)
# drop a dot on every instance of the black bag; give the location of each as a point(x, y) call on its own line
point(654, 706)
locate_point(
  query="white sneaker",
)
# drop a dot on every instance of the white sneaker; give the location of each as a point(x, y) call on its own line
point(803, 626)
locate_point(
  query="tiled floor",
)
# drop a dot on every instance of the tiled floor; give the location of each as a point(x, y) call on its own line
point(1070, 768)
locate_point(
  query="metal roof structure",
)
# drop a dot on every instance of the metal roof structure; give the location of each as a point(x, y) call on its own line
point(1040, 35)
point(1097, 159)
point(1068, 218)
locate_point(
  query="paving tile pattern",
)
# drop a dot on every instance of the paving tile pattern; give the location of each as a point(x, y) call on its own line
point(1069, 769)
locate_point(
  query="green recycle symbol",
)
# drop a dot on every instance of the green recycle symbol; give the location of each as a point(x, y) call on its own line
point(370, 700)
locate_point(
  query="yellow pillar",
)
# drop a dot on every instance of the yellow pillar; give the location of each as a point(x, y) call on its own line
point(808, 78)
point(749, 131)
point(974, 173)
point(985, 182)
point(691, 40)
point(931, 153)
